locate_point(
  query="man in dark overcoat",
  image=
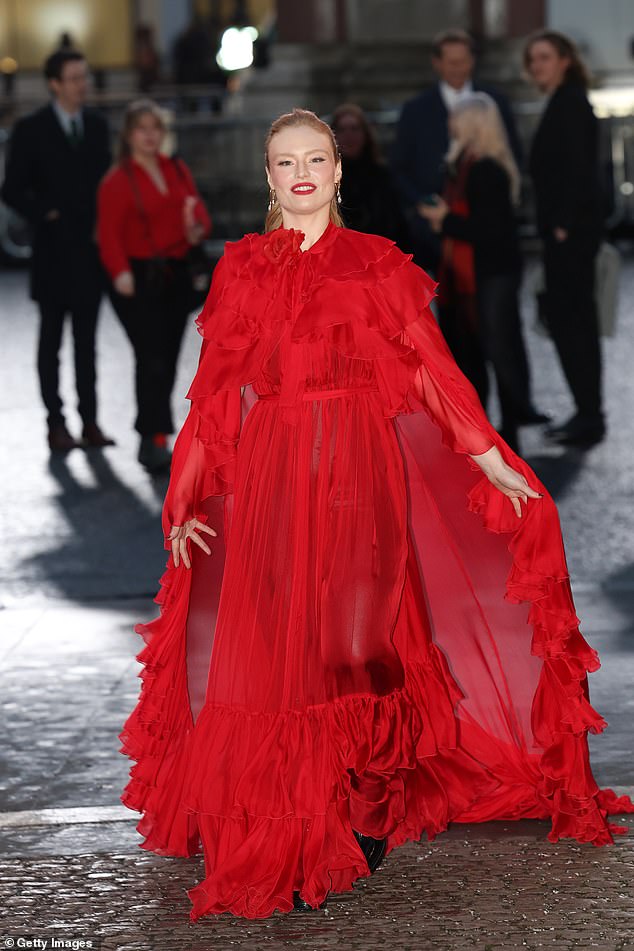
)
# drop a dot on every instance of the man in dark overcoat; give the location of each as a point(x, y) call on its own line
point(56, 159)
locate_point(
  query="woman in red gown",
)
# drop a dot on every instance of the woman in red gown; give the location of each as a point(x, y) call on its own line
point(366, 627)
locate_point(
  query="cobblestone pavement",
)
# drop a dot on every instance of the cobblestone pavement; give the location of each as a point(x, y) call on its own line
point(82, 554)
point(474, 889)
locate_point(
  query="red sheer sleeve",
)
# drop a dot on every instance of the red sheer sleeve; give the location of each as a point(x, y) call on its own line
point(204, 452)
point(447, 395)
point(442, 389)
point(113, 208)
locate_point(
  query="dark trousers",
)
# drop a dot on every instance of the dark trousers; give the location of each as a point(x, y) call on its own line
point(154, 320)
point(84, 312)
point(495, 336)
point(425, 244)
point(571, 314)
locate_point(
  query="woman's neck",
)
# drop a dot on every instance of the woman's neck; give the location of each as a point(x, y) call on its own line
point(553, 86)
point(146, 159)
point(313, 226)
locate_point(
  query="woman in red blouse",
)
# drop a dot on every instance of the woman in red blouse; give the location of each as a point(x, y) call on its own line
point(149, 215)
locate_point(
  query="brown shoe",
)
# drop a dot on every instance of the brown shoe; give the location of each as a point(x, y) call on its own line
point(93, 436)
point(60, 440)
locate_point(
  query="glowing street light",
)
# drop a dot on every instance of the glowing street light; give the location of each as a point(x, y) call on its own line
point(236, 48)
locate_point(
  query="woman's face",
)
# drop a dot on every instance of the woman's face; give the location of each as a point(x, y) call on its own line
point(545, 66)
point(351, 137)
point(302, 169)
point(146, 137)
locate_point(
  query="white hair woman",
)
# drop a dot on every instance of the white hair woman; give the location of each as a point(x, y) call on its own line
point(481, 262)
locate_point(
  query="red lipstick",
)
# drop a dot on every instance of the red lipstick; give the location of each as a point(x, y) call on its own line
point(304, 188)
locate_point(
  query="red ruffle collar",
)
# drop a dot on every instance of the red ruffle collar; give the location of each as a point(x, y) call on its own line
point(283, 244)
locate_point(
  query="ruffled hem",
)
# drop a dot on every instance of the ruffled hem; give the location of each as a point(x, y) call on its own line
point(156, 734)
point(313, 857)
point(296, 763)
point(561, 715)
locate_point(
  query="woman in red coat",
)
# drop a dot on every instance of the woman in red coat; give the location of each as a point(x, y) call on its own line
point(149, 216)
point(366, 629)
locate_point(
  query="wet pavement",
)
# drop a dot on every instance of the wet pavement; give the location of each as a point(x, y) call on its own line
point(82, 552)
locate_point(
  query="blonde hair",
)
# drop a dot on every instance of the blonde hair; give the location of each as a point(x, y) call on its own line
point(478, 127)
point(291, 120)
point(135, 111)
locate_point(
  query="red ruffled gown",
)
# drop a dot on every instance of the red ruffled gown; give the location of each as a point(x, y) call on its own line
point(377, 642)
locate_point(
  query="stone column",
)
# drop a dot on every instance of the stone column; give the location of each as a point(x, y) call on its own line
point(506, 19)
point(311, 21)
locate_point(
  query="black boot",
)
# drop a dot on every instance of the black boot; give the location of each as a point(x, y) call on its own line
point(582, 431)
point(300, 905)
point(156, 459)
point(373, 849)
point(530, 416)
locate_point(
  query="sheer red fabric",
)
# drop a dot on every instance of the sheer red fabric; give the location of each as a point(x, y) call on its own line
point(377, 642)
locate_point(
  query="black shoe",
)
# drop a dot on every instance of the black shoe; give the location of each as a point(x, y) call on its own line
point(94, 437)
point(60, 440)
point(156, 459)
point(373, 849)
point(532, 417)
point(300, 905)
point(579, 431)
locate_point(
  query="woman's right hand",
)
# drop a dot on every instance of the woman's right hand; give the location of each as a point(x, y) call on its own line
point(194, 231)
point(124, 284)
point(509, 481)
point(179, 535)
point(435, 214)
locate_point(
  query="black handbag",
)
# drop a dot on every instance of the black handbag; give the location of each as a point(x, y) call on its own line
point(199, 263)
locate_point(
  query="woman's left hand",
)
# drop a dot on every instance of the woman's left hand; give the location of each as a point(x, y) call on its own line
point(434, 214)
point(511, 483)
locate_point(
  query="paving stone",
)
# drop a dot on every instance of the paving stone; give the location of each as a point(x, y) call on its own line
point(520, 893)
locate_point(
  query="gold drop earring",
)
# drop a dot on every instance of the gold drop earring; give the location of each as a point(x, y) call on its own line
point(272, 198)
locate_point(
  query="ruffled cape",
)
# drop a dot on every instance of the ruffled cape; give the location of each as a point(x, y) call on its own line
point(508, 629)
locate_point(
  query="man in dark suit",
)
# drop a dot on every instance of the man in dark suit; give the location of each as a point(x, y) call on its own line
point(422, 136)
point(57, 157)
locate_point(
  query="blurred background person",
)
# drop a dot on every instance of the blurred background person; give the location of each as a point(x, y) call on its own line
point(66, 41)
point(369, 201)
point(194, 53)
point(480, 269)
point(146, 58)
point(422, 137)
point(57, 156)
point(564, 166)
point(149, 216)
